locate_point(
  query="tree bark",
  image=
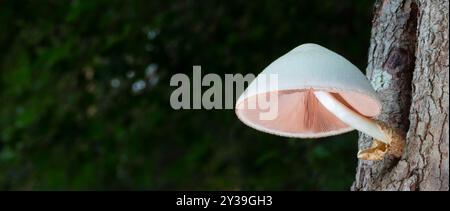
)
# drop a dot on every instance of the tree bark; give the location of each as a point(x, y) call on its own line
point(409, 68)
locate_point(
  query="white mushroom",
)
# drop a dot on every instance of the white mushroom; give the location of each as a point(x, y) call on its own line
point(318, 93)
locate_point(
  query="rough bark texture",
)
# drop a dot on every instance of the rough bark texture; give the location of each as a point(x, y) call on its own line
point(409, 68)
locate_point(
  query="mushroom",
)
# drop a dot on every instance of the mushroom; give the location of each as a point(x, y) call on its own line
point(318, 93)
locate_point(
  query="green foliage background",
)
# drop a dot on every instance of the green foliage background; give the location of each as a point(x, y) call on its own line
point(69, 118)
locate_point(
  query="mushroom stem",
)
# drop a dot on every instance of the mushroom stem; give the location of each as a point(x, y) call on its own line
point(350, 117)
point(387, 139)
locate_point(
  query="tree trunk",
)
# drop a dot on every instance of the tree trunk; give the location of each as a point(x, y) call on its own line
point(408, 66)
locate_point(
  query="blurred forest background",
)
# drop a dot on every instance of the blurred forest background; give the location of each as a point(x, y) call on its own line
point(84, 94)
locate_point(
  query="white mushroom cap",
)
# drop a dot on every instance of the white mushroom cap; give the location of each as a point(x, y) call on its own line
point(304, 69)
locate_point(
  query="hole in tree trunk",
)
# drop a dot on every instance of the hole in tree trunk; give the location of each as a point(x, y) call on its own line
point(400, 63)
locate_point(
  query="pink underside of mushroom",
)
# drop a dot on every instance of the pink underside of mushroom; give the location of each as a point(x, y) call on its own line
point(300, 114)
